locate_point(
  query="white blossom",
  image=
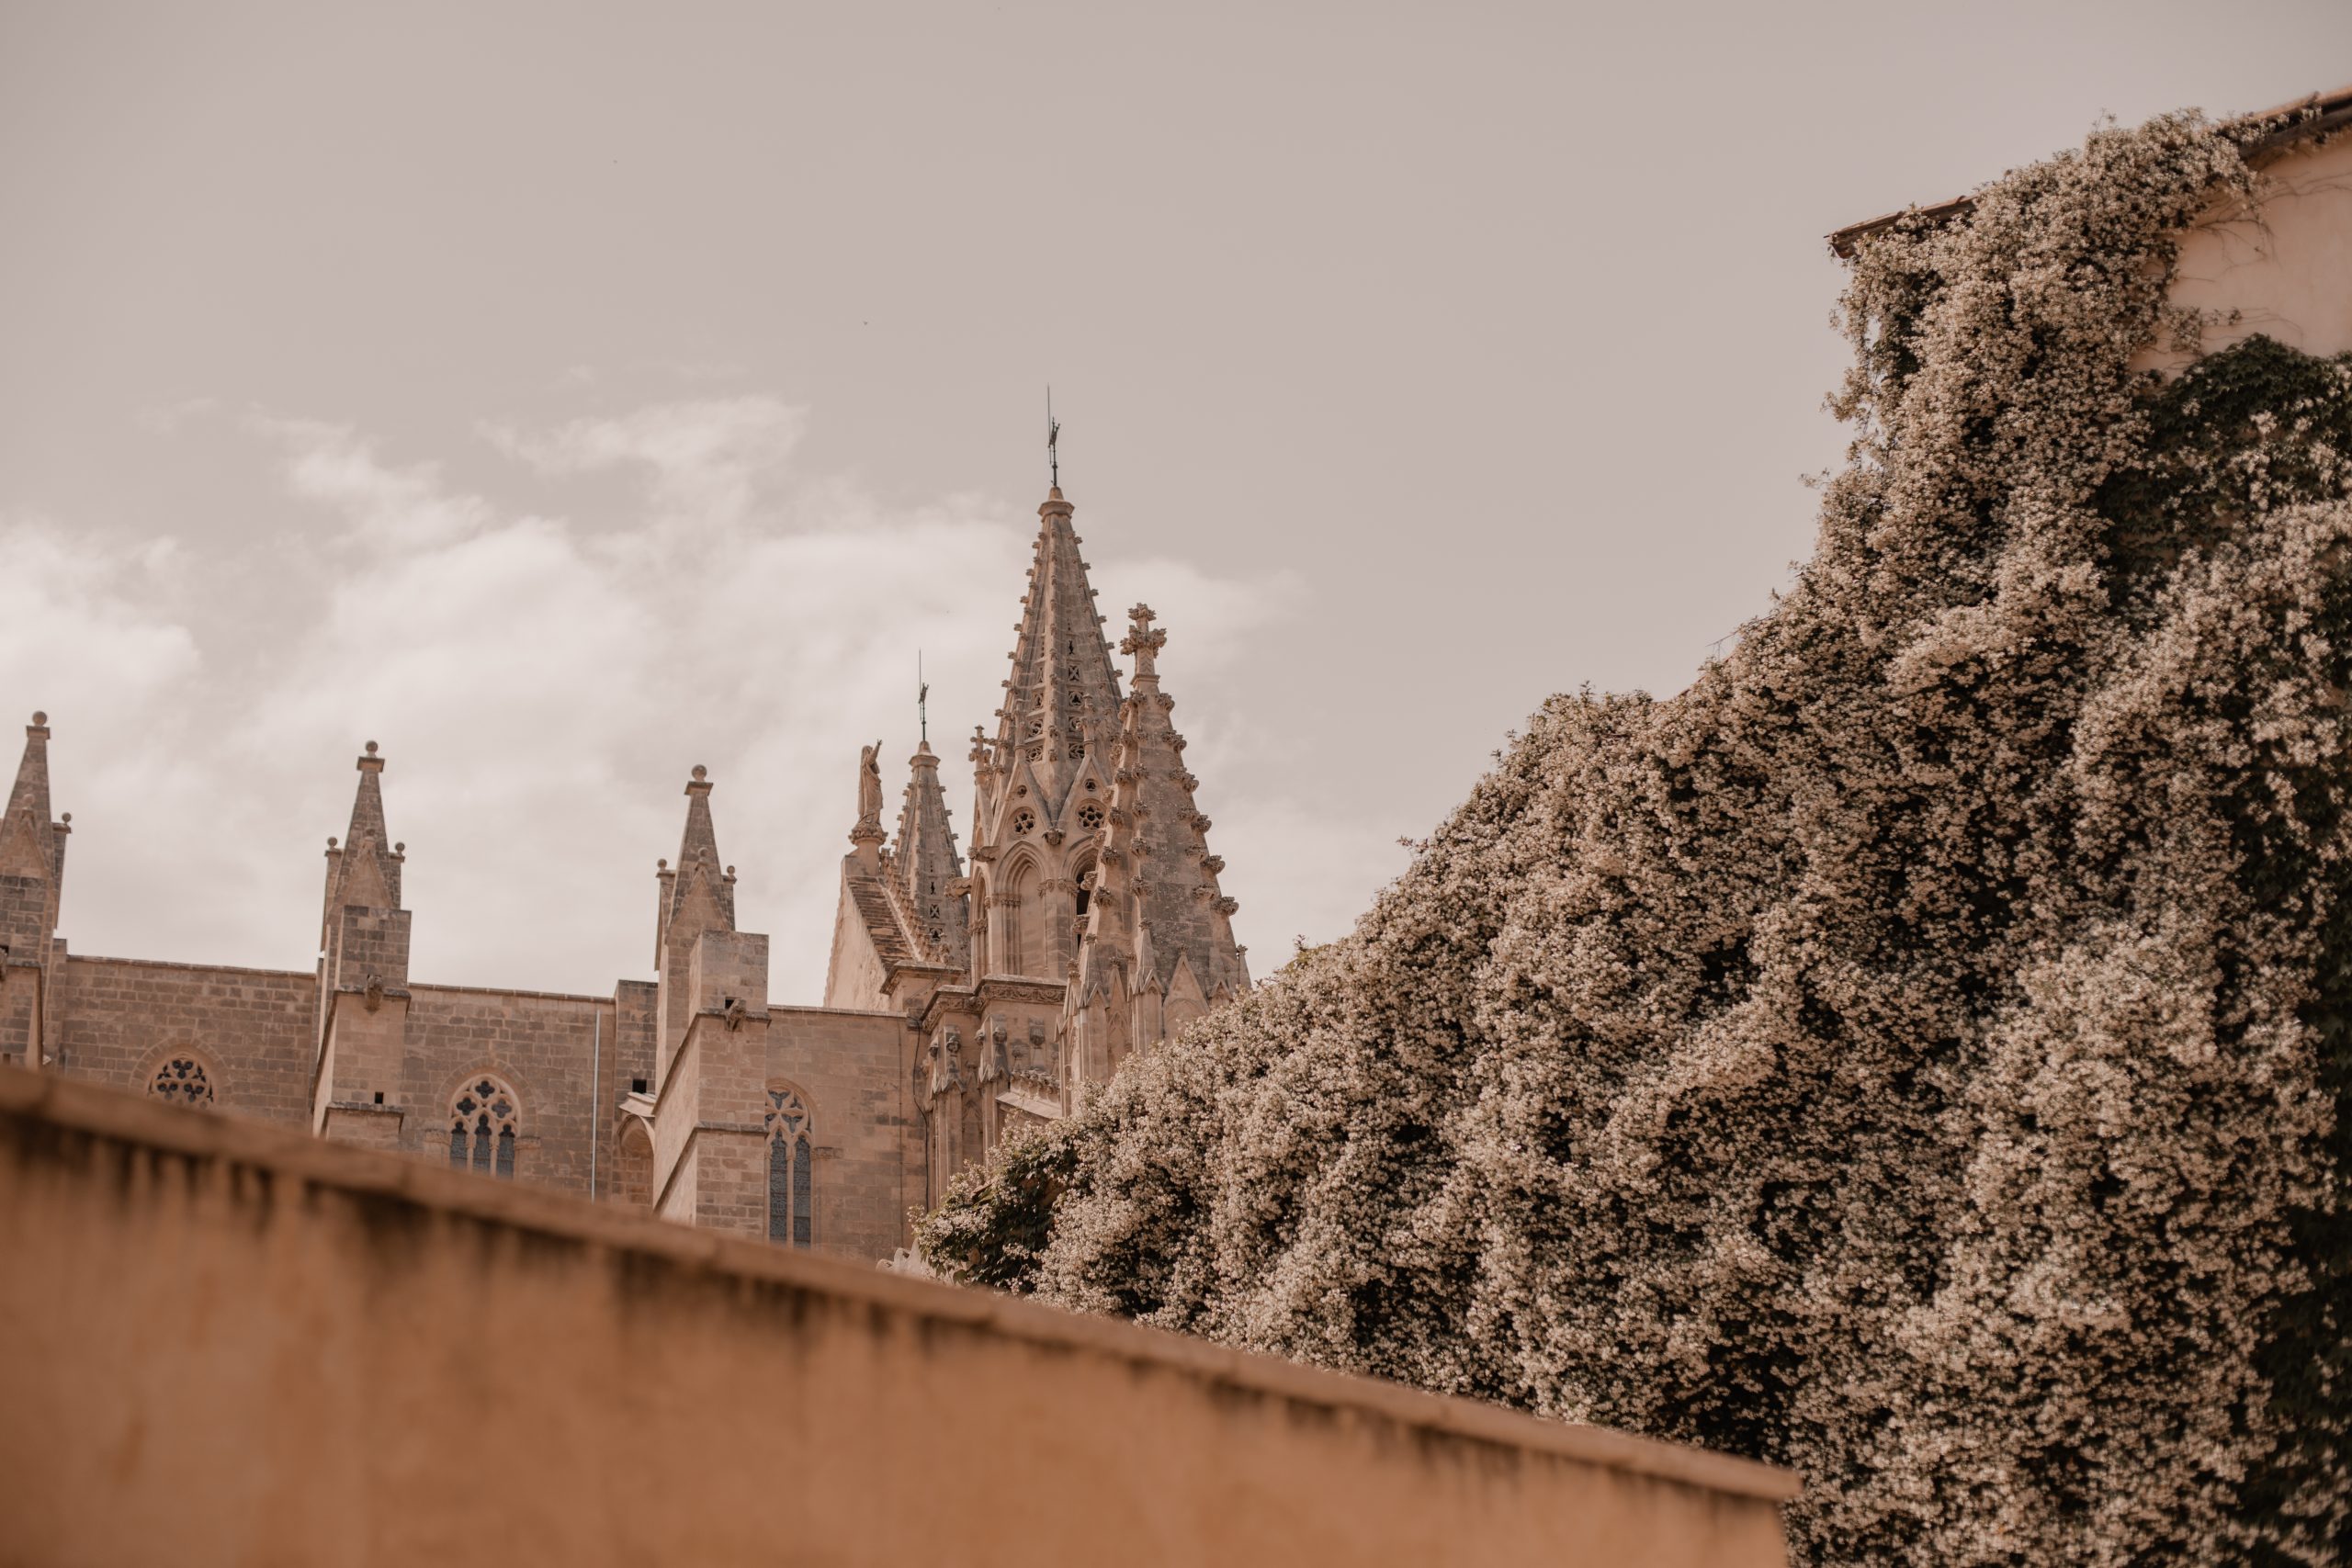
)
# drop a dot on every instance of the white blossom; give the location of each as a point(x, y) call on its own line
point(1913, 1053)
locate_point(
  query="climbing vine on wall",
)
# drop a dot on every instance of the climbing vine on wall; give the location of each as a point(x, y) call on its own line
point(1916, 1054)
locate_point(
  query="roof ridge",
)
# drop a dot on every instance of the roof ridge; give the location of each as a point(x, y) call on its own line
point(2317, 115)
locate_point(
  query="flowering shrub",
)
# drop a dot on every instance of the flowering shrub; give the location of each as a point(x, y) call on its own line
point(1917, 1052)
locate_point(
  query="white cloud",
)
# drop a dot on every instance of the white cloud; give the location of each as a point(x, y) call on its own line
point(90, 618)
point(399, 507)
point(541, 684)
point(702, 457)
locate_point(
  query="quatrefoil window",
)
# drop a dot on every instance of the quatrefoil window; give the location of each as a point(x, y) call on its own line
point(182, 1080)
point(1023, 821)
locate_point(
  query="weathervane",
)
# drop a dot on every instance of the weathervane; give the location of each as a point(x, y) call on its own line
point(1053, 438)
point(922, 699)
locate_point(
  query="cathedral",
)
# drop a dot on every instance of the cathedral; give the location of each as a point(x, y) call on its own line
point(962, 1001)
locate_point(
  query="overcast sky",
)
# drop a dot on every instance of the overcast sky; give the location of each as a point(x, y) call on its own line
point(563, 395)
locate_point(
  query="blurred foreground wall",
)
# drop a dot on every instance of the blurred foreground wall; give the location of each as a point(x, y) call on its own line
point(229, 1343)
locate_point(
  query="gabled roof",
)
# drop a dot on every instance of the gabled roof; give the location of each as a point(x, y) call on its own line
point(2264, 135)
point(872, 900)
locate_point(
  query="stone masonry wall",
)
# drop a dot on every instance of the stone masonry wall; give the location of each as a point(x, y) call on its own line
point(853, 1069)
point(543, 1045)
point(117, 1019)
point(20, 997)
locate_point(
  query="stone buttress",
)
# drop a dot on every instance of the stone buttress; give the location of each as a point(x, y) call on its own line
point(363, 976)
point(710, 1059)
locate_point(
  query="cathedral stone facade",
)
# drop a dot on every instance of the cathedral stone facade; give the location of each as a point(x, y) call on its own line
point(960, 1003)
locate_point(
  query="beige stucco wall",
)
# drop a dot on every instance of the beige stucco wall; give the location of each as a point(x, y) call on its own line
point(2281, 266)
point(229, 1343)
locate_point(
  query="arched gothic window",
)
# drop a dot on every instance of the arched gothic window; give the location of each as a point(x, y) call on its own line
point(183, 1079)
point(634, 1186)
point(792, 1178)
point(484, 1121)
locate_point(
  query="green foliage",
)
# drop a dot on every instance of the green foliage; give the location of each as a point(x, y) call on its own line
point(992, 1225)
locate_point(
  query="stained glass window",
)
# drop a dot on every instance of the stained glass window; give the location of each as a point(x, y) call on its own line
point(184, 1080)
point(792, 1177)
point(484, 1121)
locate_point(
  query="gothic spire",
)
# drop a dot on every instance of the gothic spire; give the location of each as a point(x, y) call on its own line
point(366, 873)
point(1182, 917)
point(31, 845)
point(32, 861)
point(924, 864)
point(1062, 697)
point(699, 877)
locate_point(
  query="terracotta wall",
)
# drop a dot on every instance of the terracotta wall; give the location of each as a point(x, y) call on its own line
point(232, 1344)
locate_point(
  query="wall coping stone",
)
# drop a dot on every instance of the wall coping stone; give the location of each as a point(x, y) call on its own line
point(193, 968)
point(898, 1018)
point(510, 991)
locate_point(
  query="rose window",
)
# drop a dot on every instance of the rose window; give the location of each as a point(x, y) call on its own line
point(182, 1080)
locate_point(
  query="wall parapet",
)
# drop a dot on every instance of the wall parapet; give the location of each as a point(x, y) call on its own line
point(325, 1259)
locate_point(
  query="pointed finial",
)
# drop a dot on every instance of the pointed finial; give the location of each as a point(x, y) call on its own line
point(1143, 640)
point(1053, 439)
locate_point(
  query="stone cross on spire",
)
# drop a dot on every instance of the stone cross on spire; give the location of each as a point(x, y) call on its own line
point(1143, 642)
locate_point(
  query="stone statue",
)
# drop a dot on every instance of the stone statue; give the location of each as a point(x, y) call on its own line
point(869, 784)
